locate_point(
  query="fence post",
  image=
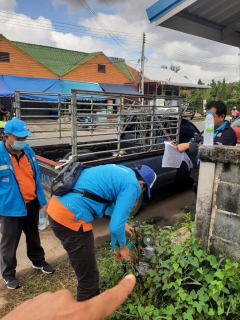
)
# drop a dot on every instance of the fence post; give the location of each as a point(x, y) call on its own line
point(74, 124)
point(17, 105)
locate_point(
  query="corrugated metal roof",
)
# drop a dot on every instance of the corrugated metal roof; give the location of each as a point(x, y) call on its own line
point(121, 65)
point(59, 61)
point(62, 61)
point(164, 75)
point(169, 77)
point(217, 20)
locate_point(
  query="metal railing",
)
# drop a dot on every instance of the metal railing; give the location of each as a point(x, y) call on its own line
point(99, 122)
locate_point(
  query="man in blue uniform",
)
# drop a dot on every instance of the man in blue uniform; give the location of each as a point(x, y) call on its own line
point(72, 214)
point(223, 135)
point(21, 196)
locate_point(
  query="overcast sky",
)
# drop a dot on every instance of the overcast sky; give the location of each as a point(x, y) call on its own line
point(116, 28)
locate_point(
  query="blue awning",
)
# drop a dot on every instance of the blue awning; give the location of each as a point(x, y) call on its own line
point(67, 86)
point(4, 90)
point(117, 88)
point(34, 85)
point(161, 8)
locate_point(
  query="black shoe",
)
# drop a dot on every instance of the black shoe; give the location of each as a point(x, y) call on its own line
point(12, 283)
point(45, 268)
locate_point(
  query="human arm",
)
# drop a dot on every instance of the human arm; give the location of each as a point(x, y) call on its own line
point(61, 304)
point(182, 147)
point(125, 202)
point(37, 176)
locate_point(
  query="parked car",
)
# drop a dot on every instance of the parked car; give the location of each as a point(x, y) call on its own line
point(236, 128)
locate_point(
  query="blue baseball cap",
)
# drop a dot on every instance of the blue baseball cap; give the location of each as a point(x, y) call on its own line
point(148, 176)
point(17, 127)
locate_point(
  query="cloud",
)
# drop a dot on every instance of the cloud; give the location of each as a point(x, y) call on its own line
point(17, 28)
point(8, 5)
point(83, 44)
point(116, 29)
point(72, 5)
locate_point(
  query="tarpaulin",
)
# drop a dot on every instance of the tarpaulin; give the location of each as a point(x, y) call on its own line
point(46, 89)
point(67, 86)
point(4, 90)
point(34, 85)
point(117, 88)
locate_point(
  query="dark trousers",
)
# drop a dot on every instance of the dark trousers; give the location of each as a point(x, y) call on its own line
point(81, 251)
point(11, 230)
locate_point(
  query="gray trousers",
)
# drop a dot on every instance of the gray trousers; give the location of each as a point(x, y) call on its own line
point(11, 230)
point(81, 251)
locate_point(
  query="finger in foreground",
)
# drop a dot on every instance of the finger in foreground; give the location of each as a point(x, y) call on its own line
point(106, 303)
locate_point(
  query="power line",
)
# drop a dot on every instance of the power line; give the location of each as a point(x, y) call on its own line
point(172, 49)
point(93, 14)
point(100, 33)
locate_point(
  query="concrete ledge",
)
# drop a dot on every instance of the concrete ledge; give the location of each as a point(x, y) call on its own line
point(223, 154)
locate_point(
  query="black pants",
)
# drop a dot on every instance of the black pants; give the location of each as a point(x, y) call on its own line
point(81, 251)
point(11, 230)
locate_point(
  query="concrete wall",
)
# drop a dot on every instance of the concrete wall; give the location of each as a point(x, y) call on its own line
point(218, 201)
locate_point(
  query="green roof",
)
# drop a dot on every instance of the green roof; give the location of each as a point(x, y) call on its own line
point(59, 61)
point(121, 65)
point(62, 61)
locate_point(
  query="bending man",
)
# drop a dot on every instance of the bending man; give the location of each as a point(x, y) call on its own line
point(71, 215)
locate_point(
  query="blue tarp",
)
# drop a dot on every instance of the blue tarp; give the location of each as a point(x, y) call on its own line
point(67, 86)
point(4, 90)
point(51, 87)
point(34, 85)
point(117, 88)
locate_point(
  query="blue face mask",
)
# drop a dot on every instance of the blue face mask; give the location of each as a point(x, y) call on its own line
point(18, 145)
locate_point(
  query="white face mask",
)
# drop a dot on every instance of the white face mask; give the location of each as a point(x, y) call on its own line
point(18, 145)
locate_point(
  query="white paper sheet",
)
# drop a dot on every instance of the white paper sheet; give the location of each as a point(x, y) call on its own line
point(173, 159)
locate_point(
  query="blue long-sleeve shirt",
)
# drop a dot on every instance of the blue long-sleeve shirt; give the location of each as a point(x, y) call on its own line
point(115, 183)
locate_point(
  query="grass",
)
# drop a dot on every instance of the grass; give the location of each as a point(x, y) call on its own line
point(35, 282)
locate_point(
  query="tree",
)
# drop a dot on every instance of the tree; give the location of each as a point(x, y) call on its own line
point(200, 82)
point(213, 92)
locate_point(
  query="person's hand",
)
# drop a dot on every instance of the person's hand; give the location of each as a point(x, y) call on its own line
point(61, 305)
point(173, 144)
point(129, 230)
point(182, 147)
point(125, 253)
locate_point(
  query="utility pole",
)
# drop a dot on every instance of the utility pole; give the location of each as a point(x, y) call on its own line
point(141, 84)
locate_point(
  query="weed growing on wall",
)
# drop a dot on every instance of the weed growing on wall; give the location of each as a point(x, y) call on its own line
point(179, 280)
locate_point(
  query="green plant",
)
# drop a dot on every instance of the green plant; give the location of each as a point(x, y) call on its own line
point(183, 282)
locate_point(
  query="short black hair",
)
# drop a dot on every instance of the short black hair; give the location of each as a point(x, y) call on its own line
point(220, 107)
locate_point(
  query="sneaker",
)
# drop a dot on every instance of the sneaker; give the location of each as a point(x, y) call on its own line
point(12, 283)
point(45, 268)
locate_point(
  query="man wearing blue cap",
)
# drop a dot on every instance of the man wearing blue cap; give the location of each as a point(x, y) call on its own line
point(21, 196)
point(71, 216)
